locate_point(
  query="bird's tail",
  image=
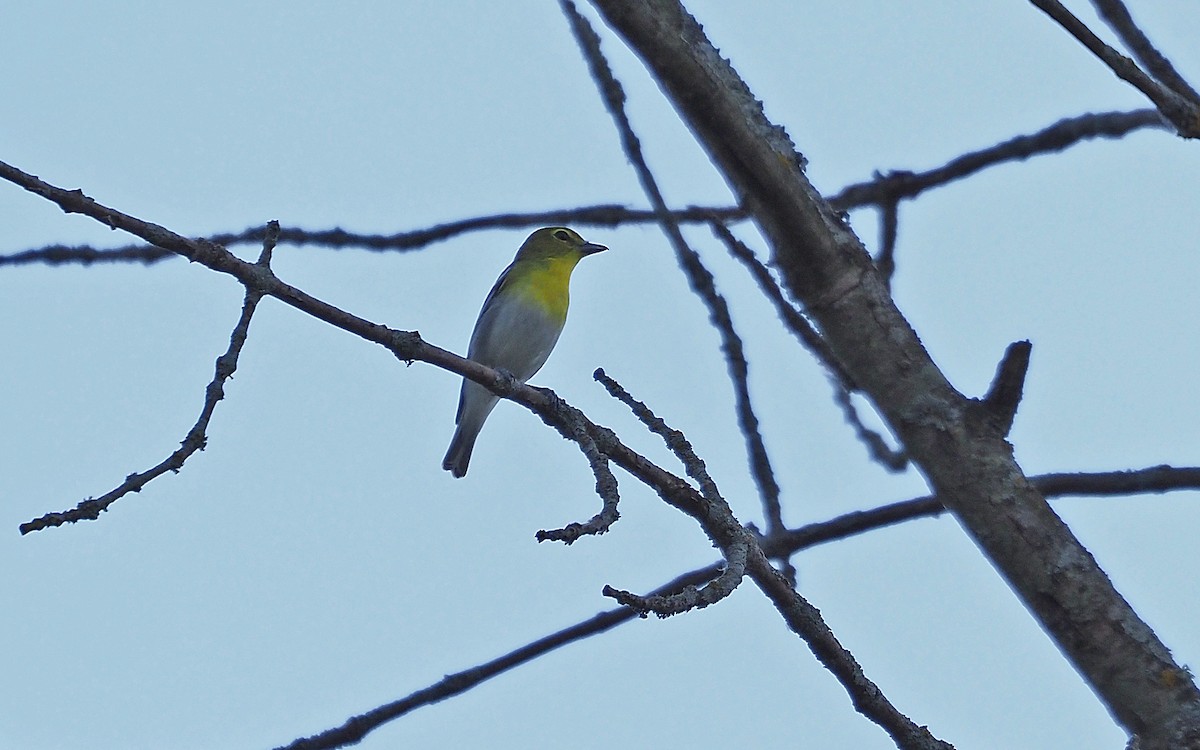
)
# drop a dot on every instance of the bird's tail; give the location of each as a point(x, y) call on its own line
point(474, 406)
point(459, 455)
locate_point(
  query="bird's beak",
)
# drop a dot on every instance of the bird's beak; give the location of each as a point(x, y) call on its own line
point(591, 248)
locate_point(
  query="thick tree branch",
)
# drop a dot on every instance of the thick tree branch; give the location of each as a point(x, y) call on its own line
point(970, 467)
point(713, 513)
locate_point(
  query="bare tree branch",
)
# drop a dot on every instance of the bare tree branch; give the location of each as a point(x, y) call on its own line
point(1154, 479)
point(894, 460)
point(1183, 114)
point(675, 440)
point(883, 188)
point(718, 521)
point(405, 345)
point(1161, 478)
point(794, 321)
point(1117, 16)
point(792, 318)
point(901, 184)
point(735, 553)
point(1157, 479)
point(713, 514)
point(606, 215)
point(969, 466)
point(744, 554)
point(699, 277)
point(690, 597)
point(357, 727)
point(889, 228)
point(1006, 390)
point(196, 438)
point(606, 488)
point(86, 255)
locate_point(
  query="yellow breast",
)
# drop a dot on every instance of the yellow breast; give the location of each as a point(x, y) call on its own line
point(546, 283)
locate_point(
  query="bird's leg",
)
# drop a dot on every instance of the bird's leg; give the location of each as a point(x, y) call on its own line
point(505, 382)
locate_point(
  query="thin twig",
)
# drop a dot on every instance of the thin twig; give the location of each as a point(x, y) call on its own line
point(196, 438)
point(354, 729)
point(1117, 16)
point(605, 215)
point(675, 440)
point(699, 277)
point(891, 185)
point(689, 597)
point(889, 227)
point(1008, 386)
point(1183, 114)
point(809, 338)
point(792, 318)
point(901, 184)
point(1155, 479)
point(893, 459)
point(606, 488)
point(269, 241)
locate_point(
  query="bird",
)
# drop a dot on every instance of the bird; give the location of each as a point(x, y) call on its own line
point(517, 328)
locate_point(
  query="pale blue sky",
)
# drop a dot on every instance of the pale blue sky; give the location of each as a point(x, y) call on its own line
point(315, 561)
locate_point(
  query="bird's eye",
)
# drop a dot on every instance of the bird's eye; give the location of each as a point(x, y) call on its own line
point(562, 235)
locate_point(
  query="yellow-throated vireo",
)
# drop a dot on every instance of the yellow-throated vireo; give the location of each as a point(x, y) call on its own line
point(517, 327)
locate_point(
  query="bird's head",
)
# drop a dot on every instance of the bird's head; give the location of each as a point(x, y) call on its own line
point(556, 242)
